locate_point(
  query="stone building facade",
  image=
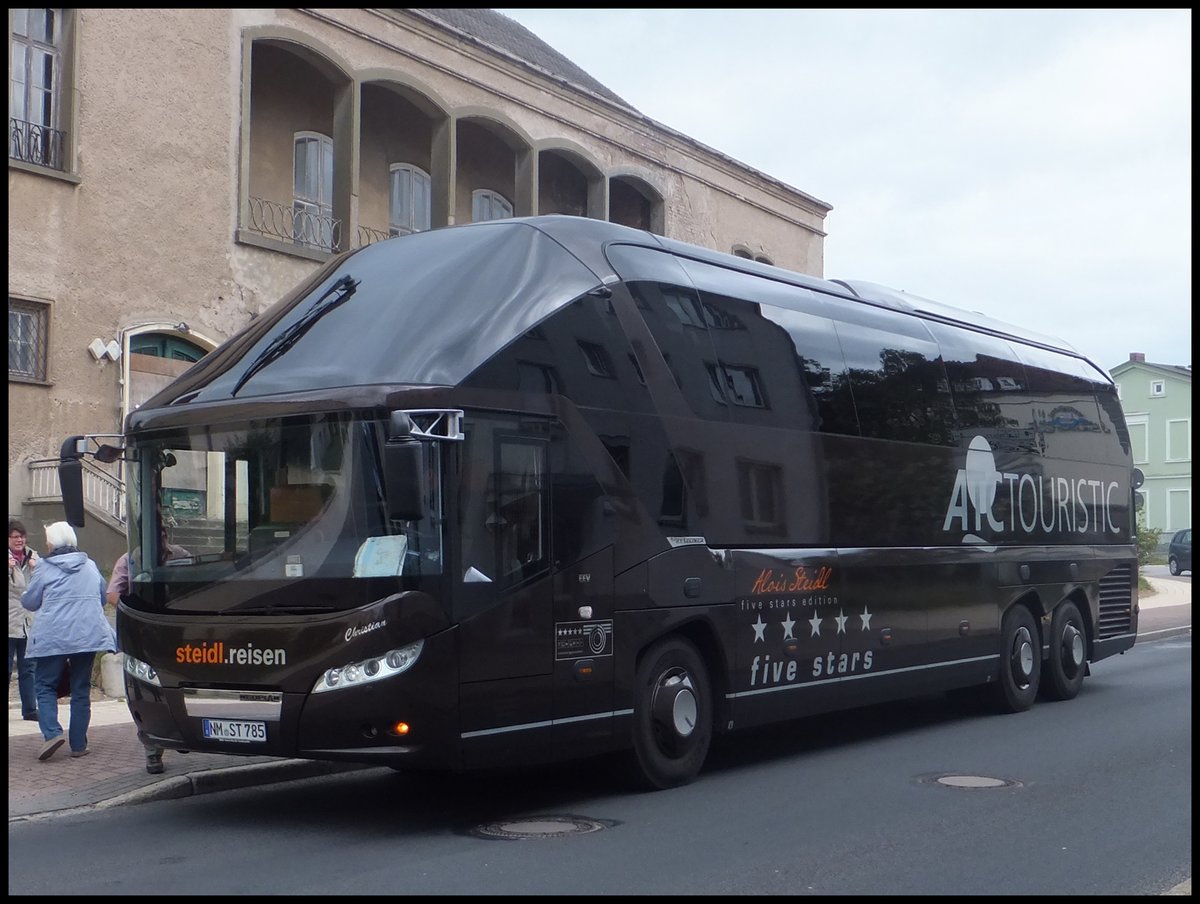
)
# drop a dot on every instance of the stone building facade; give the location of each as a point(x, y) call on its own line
point(173, 172)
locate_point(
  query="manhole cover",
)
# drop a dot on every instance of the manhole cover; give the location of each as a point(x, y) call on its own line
point(537, 827)
point(970, 782)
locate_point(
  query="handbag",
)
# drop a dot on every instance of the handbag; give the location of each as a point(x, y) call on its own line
point(64, 681)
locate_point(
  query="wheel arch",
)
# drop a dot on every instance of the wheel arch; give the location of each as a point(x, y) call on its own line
point(1078, 596)
point(1031, 601)
point(703, 636)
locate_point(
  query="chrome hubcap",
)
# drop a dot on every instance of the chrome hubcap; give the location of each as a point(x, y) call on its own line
point(1072, 646)
point(1022, 656)
point(675, 705)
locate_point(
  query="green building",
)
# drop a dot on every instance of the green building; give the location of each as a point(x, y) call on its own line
point(1157, 399)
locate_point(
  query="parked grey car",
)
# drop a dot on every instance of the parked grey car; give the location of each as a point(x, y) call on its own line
point(1179, 553)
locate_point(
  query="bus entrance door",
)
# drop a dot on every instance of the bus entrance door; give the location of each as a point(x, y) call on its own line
point(583, 654)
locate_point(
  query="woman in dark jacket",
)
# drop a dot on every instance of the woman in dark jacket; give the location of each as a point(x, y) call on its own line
point(67, 592)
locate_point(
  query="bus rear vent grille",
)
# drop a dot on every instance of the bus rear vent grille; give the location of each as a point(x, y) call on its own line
point(1116, 602)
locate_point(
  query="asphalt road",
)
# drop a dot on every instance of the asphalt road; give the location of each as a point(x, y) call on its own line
point(1087, 797)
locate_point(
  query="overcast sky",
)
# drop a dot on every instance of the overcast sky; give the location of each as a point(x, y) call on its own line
point(1033, 165)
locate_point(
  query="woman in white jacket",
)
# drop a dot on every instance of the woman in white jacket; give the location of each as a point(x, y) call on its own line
point(67, 593)
point(21, 562)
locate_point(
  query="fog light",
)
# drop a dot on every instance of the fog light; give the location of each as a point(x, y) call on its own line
point(400, 729)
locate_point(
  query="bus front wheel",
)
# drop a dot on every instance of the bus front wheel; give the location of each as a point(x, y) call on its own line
point(672, 715)
point(1067, 663)
point(1020, 661)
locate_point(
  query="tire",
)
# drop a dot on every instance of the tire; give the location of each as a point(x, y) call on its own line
point(1066, 666)
point(1020, 662)
point(1173, 565)
point(672, 716)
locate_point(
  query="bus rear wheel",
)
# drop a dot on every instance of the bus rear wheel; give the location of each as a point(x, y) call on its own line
point(1020, 661)
point(1067, 662)
point(672, 715)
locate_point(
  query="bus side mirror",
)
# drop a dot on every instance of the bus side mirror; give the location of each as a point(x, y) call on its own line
point(403, 470)
point(70, 479)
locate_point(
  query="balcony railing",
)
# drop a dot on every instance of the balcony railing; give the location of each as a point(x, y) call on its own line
point(369, 236)
point(103, 491)
point(295, 224)
point(33, 143)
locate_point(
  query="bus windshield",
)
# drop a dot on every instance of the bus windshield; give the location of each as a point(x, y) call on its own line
point(275, 501)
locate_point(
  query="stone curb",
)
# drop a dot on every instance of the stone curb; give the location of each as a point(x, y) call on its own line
point(231, 778)
point(209, 781)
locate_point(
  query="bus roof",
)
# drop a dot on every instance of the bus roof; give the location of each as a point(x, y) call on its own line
point(430, 307)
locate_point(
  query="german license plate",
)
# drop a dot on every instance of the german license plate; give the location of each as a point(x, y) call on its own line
point(228, 730)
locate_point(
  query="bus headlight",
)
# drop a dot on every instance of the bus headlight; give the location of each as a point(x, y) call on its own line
point(142, 671)
point(364, 671)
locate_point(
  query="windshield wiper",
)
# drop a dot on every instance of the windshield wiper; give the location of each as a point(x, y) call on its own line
point(334, 296)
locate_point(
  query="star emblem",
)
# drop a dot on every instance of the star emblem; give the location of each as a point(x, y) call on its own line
point(787, 627)
point(840, 618)
point(815, 621)
point(759, 626)
point(866, 618)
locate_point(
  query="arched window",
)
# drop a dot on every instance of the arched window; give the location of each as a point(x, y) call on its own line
point(155, 359)
point(312, 202)
point(159, 345)
point(409, 204)
point(489, 205)
point(740, 250)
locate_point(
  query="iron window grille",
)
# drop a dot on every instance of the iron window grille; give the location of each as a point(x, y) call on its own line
point(28, 340)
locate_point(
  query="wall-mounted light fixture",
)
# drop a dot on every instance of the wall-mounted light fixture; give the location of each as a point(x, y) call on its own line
point(100, 349)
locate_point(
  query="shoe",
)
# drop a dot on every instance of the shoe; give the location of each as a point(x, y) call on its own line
point(51, 747)
point(154, 764)
point(79, 753)
point(30, 717)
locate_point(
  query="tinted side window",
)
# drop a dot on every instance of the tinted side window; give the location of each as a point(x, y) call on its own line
point(989, 386)
point(1064, 392)
point(778, 361)
point(518, 517)
point(505, 503)
point(580, 351)
point(582, 521)
point(900, 388)
point(761, 494)
point(1112, 417)
point(676, 320)
point(776, 367)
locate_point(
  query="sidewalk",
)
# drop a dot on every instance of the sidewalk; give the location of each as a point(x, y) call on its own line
point(114, 772)
point(1167, 593)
